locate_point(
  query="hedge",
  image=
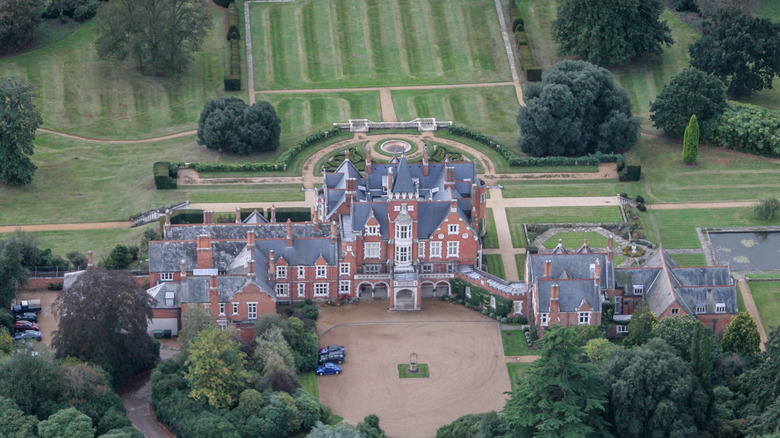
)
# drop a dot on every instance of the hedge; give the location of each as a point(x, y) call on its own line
point(186, 217)
point(630, 173)
point(162, 176)
point(533, 73)
point(295, 214)
point(233, 33)
point(748, 128)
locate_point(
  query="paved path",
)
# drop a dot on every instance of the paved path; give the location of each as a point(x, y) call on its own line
point(67, 227)
point(522, 359)
point(96, 140)
point(388, 108)
point(504, 235)
point(750, 305)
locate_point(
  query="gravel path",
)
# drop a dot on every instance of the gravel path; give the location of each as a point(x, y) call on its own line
point(66, 227)
point(750, 305)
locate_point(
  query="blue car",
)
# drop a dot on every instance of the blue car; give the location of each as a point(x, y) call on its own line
point(27, 334)
point(328, 368)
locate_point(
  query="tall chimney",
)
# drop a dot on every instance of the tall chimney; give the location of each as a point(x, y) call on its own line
point(555, 302)
point(426, 169)
point(547, 268)
point(449, 177)
point(273, 213)
point(597, 274)
point(316, 218)
point(389, 179)
point(271, 265)
point(208, 217)
point(368, 160)
point(289, 233)
point(213, 294)
point(334, 234)
point(90, 256)
point(250, 269)
point(205, 256)
point(183, 269)
point(250, 238)
point(238, 215)
point(167, 222)
point(474, 218)
point(611, 246)
point(346, 155)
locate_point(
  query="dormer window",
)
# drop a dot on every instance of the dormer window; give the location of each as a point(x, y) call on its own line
point(452, 229)
point(639, 289)
point(322, 271)
point(720, 308)
point(169, 299)
point(281, 272)
point(372, 230)
point(166, 276)
point(700, 309)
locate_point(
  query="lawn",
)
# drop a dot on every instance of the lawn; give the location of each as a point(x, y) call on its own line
point(538, 17)
point(520, 260)
point(81, 94)
point(574, 240)
point(516, 371)
point(767, 297)
point(340, 43)
point(491, 236)
point(99, 241)
point(689, 259)
point(495, 265)
point(404, 374)
point(243, 193)
point(517, 216)
point(677, 228)
point(492, 111)
point(514, 343)
point(310, 384)
point(549, 189)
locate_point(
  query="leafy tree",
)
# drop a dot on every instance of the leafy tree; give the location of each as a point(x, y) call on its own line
point(282, 409)
point(208, 424)
point(691, 141)
point(273, 353)
point(678, 333)
point(341, 430)
point(14, 423)
point(77, 259)
point(148, 235)
point(654, 388)
point(12, 272)
point(743, 51)
point(611, 32)
point(761, 384)
point(159, 35)
point(599, 349)
point(228, 124)
point(310, 412)
point(18, 121)
point(119, 257)
point(193, 321)
point(6, 343)
point(561, 394)
point(18, 22)
point(40, 378)
point(690, 92)
point(485, 425)
point(33, 255)
point(766, 208)
point(741, 336)
point(125, 432)
point(642, 322)
point(215, 368)
point(766, 423)
point(250, 402)
point(700, 353)
point(686, 5)
point(68, 423)
point(103, 318)
point(576, 110)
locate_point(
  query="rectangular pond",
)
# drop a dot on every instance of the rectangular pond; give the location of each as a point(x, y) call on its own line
point(747, 251)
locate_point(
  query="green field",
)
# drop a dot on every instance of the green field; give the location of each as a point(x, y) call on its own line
point(81, 94)
point(491, 236)
point(550, 188)
point(341, 43)
point(677, 228)
point(574, 240)
point(404, 374)
point(495, 265)
point(517, 216)
point(767, 297)
point(248, 193)
point(516, 371)
point(538, 17)
point(520, 260)
point(492, 111)
point(99, 241)
point(689, 259)
point(514, 343)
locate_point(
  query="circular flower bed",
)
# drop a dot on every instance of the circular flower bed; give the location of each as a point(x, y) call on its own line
point(628, 251)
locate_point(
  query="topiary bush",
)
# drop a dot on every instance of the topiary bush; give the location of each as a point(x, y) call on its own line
point(630, 173)
point(533, 73)
point(518, 25)
point(162, 178)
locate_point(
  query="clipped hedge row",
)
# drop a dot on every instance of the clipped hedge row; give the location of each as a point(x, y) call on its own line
point(630, 173)
point(260, 166)
point(748, 128)
point(295, 214)
point(163, 179)
point(232, 81)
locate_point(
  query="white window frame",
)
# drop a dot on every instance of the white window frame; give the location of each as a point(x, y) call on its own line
point(583, 318)
point(403, 232)
point(169, 299)
point(222, 323)
point(322, 271)
point(301, 271)
point(251, 310)
point(453, 249)
point(452, 268)
point(301, 290)
point(345, 287)
point(166, 276)
point(483, 198)
point(701, 309)
point(403, 254)
point(453, 229)
point(371, 250)
point(421, 250)
point(235, 308)
point(344, 269)
point(321, 289)
point(544, 319)
point(639, 289)
point(675, 311)
point(492, 301)
point(621, 329)
point(282, 289)
point(281, 272)
point(436, 249)
point(720, 308)
point(517, 306)
point(372, 268)
point(372, 230)
point(222, 308)
point(427, 268)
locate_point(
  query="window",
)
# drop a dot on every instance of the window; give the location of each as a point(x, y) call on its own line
point(402, 254)
point(421, 250)
point(700, 309)
point(452, 229)
point(321, 289)
point(584, 317)
point(343, 268)
point(222, 324)
point(544, 319)
point(403, 231)
point(371, 250)
point(169, 299)
point(622, 329)
point(427, 268)
point(322, 271)
point(282, 289)
point(451, 268)
point(639, 289)
point(281, 272)
point(436, 249)
point(166, 276)
point(301, 271)
point(372, 230)
point(483, 198)
point(344, 287)
point(222, 308)
point(675, 311)
point(720, 308)
point(518, 307)
point(251, 310)
point(492, 302)
point(235, 308)
point(372, 269)
point(453, 249)
point(301, 290)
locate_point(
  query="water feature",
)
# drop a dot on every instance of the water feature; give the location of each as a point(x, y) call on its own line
point(395, 146)
point(748, 251)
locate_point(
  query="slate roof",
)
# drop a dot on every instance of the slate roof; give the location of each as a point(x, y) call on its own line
point(255, 218)
point(571, 293)
point(196, 289)
point(403, 183)
point(572, 266)
point(239, 231)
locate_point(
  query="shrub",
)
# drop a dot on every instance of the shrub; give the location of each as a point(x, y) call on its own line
point(640, 199)
point(86, 10)
point(533, 250)
point(223, 3)
point(232, 84)
point(766, 208)
point(518, 25)
point(233, 33)
point(521, 38)
point(621, 164)
point(55, 286)
point(533, 73)
point(162, 177)
point(749, 128)
point(630, 173)
point(641, 207)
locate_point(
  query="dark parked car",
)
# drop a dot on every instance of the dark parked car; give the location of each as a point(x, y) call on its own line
point(328, 368)
point(28, 334)
point(28, 316)
point(21, 326)
point(333, 348)
point(332, 357)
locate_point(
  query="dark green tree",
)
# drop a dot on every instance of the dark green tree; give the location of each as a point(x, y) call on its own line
point(761, 383)
point(576, 110)
point(765, 424)
point(486, 425)
point(691, 141)
point(700, 353)
point(18, 121)
point(228, 124)
point(690, 92)
point(119, 257)
point(14, 423)
point(611, 32)
point(66, 423)
point(743, 51)
point(18, 22)
point(159, 35)
point(103, 318)
point(40, 377)
point(12, 271)
point(370, 427)
point(741, 336)
point(677, 332)
point(642, 322)
point(654, 388)
point(561, 394)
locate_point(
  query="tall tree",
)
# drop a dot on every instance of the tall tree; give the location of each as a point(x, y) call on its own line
point(103, 318)
point(18, 21)
point(642, 322)
point(611, 32)
point(576, 110)
point(12, 271)
point(741, 335)
point(68, 423)
point(159, 35)
point(18, 121)
point(215, 368)
point(228, 124)
point(560, 395)
point(743, 51)
point(678, 333)
point(40, 377)
point(691, 141)
point(761, 384)
point(690, 92)
point(700, 353)
point(652, 393)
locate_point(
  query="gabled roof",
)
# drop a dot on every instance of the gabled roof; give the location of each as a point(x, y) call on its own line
point(402, 183)
point(571, 294)
point(255, 218)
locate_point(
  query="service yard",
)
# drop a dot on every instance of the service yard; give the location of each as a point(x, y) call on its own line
point(462, 348)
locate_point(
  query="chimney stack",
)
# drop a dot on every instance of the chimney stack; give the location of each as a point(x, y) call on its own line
point(346, 155)
point(250, 266)
point(547, 268)
point(205, 256)
point(389, 180)
point(316, 218)
point(213, 294)
point(555, 301)
point(334, 234)
point(271, 265)
point(90, 256)
point(238, 215)
point(368, 160)
point(611, 246)
point(449, 177)
point(250, 238)
point(273, 213)
point(289, 233)
point(426, 169)
point(167, 221)
point(208, 217)
point(183, 269)
point(597, 274)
